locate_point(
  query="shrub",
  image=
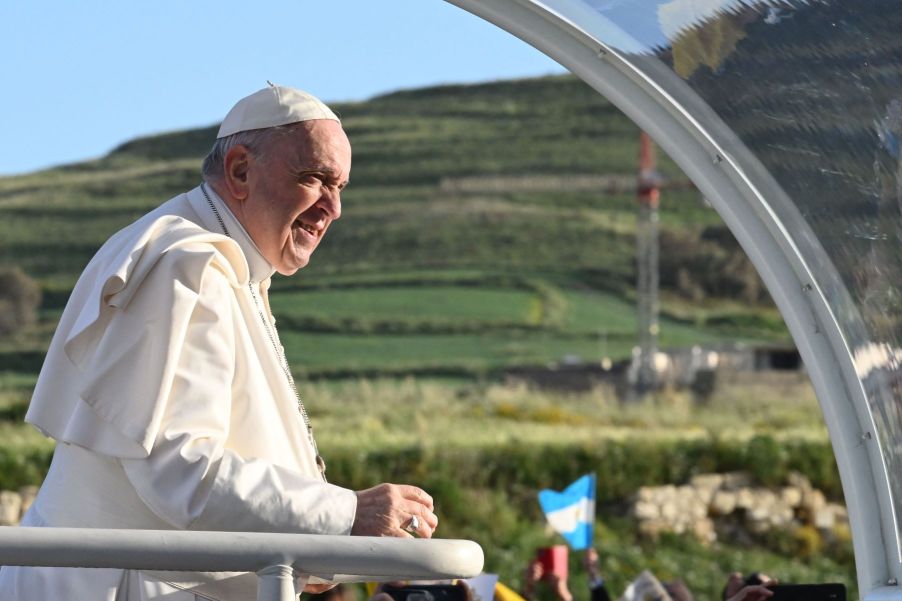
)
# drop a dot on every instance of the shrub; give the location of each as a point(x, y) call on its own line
point(622, 466)
point(766, 460)
point(20, 297)
point(708, 263)
point(807, 542)
point(20, 467)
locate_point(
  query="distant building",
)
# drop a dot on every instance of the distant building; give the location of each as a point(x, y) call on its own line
point(693, 367)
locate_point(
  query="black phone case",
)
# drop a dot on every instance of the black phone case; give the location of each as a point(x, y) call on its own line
point(427, 592)
point(809, 592)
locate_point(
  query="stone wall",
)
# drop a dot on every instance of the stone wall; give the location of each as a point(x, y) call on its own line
point(14, 504)
point(727, 506)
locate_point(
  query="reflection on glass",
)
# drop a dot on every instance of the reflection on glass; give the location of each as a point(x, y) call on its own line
point(813, 89)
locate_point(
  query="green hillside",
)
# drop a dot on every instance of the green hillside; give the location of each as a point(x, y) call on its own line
point(468, 240)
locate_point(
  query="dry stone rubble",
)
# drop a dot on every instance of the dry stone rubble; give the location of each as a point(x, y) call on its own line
point(713, 506)
point(14, 504)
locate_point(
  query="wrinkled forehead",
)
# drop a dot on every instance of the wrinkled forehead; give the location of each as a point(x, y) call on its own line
point(317, 143)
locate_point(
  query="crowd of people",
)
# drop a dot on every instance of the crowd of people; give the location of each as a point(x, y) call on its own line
point(753, 587)
point(542, 584)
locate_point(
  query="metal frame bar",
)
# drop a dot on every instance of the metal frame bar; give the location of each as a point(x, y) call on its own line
point(562, 30)
point(276, 558)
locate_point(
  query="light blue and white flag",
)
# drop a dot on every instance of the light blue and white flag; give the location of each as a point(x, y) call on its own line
point(572, 512)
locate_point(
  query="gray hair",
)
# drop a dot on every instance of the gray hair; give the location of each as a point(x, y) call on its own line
point(257, 141)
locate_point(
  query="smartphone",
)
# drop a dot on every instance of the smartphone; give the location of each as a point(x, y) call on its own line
point(428, 592)
point(809, 592)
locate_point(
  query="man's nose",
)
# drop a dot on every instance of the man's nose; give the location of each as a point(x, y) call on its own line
point(330, 202)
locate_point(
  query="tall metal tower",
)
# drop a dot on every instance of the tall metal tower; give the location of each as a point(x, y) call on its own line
point(647, 264)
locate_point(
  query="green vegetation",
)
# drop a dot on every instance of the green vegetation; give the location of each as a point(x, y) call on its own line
point(20, 297)
point(483, 450)
point(454, 414)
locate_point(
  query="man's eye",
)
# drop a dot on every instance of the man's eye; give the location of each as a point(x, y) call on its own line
point(311, 179)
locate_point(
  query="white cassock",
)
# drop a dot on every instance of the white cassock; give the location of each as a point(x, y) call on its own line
point(171, 409)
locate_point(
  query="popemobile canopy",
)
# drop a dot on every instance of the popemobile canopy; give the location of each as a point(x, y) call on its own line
point(787, 115)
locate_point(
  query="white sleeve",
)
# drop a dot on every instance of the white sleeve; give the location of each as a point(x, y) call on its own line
point(190, 480)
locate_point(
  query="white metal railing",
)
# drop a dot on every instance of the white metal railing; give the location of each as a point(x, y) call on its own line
point(276, 558)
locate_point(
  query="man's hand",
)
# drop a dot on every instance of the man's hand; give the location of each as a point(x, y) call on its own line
point(737, 583)
point(559, 586)
point(753, 592)
point(387, 509)
point(591, 563)
point(534, 573)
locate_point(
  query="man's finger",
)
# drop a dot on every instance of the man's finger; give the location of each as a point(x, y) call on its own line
point(424, 515)
point(402, 532)
point(425, 526)
point(431, 519)
point(417, 494)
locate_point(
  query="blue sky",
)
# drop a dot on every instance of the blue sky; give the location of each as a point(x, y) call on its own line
point(81, 77)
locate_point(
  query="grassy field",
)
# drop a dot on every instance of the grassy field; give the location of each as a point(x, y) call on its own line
point(420, 304)
point(460, 414)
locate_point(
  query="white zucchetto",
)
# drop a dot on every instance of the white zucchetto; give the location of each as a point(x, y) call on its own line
point(273, 106)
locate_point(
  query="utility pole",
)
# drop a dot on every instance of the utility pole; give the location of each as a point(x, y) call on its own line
point(648, 196)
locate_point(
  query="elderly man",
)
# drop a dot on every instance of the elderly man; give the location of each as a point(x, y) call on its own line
point(166, 386)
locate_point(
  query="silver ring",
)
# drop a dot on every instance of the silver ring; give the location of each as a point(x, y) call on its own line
point(413, 525)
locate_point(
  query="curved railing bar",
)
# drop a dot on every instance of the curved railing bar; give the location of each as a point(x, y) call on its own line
point(275, 557)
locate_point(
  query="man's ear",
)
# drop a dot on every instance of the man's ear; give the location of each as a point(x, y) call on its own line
point(235, 170)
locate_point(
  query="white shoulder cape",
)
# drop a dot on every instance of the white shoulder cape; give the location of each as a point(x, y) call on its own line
point(84, 396)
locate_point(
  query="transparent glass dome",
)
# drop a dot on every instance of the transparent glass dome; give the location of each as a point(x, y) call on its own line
point(787, 114)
